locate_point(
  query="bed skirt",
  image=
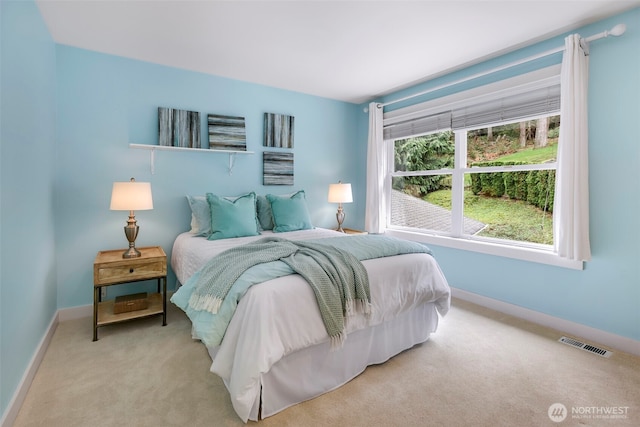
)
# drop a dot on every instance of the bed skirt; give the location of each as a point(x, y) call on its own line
point(316, 370)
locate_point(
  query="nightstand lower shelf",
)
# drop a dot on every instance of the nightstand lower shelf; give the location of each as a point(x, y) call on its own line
point(107, 317)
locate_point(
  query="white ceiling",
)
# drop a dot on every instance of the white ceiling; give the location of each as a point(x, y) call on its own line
point(346, 50)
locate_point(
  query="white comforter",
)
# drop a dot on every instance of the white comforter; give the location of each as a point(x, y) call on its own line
point(280, 316)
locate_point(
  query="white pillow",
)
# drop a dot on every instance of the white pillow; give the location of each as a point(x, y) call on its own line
point(200, 215)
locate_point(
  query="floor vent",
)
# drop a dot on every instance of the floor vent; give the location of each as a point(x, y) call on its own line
point(585, 347)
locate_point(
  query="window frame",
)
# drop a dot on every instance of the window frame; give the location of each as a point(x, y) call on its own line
point(456, 239)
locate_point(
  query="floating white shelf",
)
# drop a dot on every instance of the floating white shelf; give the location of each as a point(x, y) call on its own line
point(153, 148)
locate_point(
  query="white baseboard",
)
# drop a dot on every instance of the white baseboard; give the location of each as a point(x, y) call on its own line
point(588, 333)
point(10, 415)
point(75, 312)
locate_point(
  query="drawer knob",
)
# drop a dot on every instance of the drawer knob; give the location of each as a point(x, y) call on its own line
point(131, 270)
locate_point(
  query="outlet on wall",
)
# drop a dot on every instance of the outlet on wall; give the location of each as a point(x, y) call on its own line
point(103, 293)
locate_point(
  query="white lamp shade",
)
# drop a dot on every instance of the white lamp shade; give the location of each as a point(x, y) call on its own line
point(131, 196)
point(340, 193)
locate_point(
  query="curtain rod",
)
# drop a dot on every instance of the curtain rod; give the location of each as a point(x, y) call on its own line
point(616, 31)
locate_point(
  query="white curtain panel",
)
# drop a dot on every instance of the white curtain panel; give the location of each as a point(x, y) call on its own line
point(375, 218)
point(571, 210)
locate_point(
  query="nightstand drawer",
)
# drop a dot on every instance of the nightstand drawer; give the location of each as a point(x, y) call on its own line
point(109, 268)
point(127, 273)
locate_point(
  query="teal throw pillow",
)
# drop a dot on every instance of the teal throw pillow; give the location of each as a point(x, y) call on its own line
point(290, 212)
point(265, 217)
point(232, 217)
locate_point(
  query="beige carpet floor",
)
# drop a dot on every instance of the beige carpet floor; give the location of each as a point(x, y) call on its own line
point(481, 368)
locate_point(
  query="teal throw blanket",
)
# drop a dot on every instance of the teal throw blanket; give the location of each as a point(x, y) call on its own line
point(240, 271)
point(338, 279)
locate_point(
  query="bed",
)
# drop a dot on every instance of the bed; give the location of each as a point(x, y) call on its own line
point(275, 351)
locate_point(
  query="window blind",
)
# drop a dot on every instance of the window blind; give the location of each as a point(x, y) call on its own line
point(538, 102)
point(523, 97)
point(418, 126)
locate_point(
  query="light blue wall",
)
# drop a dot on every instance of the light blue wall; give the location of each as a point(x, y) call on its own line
point(106, 102)
point(27, 262)
point(606, 295)
point(68, 116)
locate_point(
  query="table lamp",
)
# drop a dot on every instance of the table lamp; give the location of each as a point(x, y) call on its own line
point(131, 196)
point(340, 193)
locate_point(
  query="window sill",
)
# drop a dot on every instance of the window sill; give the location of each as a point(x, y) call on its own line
point(522, 253)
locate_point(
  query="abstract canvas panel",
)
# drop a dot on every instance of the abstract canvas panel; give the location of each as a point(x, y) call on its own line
point(227, 133)
point(278, 130)
point(178, 128)
point(277, 168)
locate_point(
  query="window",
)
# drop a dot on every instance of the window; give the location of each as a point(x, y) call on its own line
point(494, 182)
point(478, 168)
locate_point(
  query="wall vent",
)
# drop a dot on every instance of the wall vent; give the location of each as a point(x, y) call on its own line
point(585, 347)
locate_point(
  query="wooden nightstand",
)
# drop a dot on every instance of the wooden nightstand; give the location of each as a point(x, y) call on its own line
point(352, 231)
point(109, 268)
